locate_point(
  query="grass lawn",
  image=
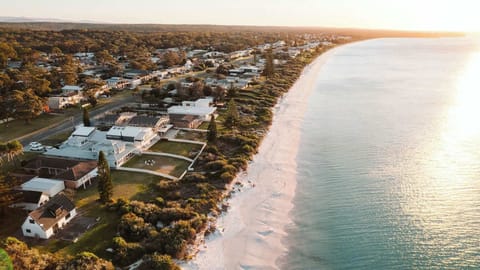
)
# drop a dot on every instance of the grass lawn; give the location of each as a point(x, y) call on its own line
point(177, 148)
point(128, 185)
point(18, 128)
point(192, 135)
point(167, 165)
point(97, 239)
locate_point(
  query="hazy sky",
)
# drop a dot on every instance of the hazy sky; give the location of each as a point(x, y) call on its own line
point(460, 15)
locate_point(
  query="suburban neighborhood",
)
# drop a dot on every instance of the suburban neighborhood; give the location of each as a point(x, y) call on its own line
point(114, 130)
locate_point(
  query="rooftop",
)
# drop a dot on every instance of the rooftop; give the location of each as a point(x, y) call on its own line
point(54, 210)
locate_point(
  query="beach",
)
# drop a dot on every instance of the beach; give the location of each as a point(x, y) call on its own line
point(250, 234)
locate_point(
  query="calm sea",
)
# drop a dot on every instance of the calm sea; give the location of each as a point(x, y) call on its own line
point(389, 163)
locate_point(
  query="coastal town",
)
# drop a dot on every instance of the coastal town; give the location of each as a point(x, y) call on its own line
point(124, 156)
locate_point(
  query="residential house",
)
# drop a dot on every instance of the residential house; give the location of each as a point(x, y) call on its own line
point(117, 82)
point(46, 186)
point(185, 121)
point(47, 220)
point(32, 200)
point(62, 101)
point(73, 173)
point(200, 108)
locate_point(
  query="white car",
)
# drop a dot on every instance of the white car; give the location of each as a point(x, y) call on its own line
point(37, 148)
point(35, 144)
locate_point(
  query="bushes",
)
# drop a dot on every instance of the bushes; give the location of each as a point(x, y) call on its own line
point(158, 262)
point(133, 227)
point(126, 253)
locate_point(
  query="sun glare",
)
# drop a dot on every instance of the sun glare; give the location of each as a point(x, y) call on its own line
point(464, 115)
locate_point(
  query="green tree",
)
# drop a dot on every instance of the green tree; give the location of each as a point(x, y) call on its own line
point(105, 185)
point(86, 118)
point(212, 130)
point(232, 117)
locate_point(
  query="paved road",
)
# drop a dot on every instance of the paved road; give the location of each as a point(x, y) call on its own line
point(117, 102)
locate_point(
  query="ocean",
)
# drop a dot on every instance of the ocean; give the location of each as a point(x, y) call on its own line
point(388, 168)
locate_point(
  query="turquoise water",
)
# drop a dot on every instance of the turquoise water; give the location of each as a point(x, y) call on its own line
point(389, 162)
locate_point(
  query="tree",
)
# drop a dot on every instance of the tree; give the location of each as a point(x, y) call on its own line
point(28, 104)
point(212, 130)
point(105, 185)
point(269, 66)
point(8, 194)
point(13, 149)
point(232, 117)
point(86, 118)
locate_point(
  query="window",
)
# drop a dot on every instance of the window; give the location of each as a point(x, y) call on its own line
point(68, 216)
point(28, 231)
point(31, 221)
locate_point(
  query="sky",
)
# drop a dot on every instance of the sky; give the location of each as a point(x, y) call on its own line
point(450, 15)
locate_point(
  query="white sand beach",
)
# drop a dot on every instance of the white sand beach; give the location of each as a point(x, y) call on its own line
point(251, 232)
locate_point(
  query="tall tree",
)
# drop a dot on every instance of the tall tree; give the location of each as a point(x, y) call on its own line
point(232, 117)
point(269, 66)
point(86, 118)
point(212, 130)
point(105, 185)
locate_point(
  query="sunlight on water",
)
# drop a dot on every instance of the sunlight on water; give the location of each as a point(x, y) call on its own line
point(445, 201)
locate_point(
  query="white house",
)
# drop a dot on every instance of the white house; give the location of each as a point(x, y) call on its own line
point(47, 186)
point(63, 101)
point(67, 89)
point(141, 137)
point(117, 82)
point(200, 108)
point(48, 219)
point(32, 200)
point(86, 143)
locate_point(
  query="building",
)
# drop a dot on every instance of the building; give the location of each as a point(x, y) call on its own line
point(117, 82)
point(46, 186)
point(200, 108)
point(63, 101)
point(48, 219)
point(185, 121)
point(139, 136)
point(32, 200)
point(86, 143)
point(73, 173)
point(67, 89)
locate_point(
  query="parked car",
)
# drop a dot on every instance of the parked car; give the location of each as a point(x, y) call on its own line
point(37, 148)
point(35, 144)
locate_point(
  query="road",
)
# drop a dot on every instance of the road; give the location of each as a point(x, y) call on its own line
point(116, 102)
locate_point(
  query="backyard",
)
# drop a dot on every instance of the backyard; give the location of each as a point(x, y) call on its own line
point(189, 150)
point(167, 165)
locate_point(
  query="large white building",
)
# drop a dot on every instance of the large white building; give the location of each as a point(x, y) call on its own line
point(200, 108)
point(119, 144)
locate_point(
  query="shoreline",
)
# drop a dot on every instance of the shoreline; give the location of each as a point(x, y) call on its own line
point(255, 241)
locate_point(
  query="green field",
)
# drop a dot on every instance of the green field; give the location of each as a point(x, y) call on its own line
point(178, 148)
point(167, 165)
